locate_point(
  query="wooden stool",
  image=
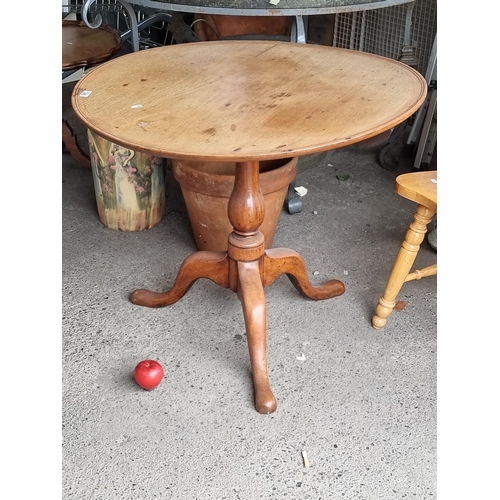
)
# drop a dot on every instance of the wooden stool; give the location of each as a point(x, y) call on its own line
point(420, 187)
point(84, 47)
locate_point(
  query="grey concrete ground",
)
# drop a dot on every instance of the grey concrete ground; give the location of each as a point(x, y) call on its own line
point(362, 403)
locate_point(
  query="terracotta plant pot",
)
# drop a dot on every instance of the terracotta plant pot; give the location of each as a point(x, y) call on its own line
point(207, 186)
point(209, 27)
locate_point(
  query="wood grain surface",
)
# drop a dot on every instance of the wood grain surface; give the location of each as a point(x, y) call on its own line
point(245, 100)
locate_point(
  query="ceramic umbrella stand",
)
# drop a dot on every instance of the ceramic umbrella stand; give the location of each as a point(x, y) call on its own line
point(207, 186)
point(129, 186)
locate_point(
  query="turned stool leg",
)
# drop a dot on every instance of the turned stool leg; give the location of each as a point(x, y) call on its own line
point(402, 265)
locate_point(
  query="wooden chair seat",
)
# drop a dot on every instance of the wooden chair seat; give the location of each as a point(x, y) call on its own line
point(421, 188)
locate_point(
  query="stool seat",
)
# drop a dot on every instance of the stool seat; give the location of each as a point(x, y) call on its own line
point(84, 46)
point(421, 188)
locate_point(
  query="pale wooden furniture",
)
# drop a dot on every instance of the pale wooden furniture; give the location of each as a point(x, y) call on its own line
point(245, 101)
point(420, 187)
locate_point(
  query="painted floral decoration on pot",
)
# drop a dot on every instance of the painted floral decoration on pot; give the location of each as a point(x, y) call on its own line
point(129, 185)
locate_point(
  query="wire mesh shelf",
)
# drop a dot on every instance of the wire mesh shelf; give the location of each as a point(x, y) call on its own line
point(76, 6)
point(403, 32)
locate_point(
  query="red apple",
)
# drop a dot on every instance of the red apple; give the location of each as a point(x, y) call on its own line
point(148, 374)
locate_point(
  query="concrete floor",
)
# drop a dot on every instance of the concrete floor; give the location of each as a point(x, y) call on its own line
point(362, 403)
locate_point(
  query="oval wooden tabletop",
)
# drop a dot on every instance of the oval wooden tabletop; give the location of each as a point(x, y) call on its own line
point(244, 99)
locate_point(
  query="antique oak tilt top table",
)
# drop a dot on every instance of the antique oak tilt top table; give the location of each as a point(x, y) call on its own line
point(245, 101)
